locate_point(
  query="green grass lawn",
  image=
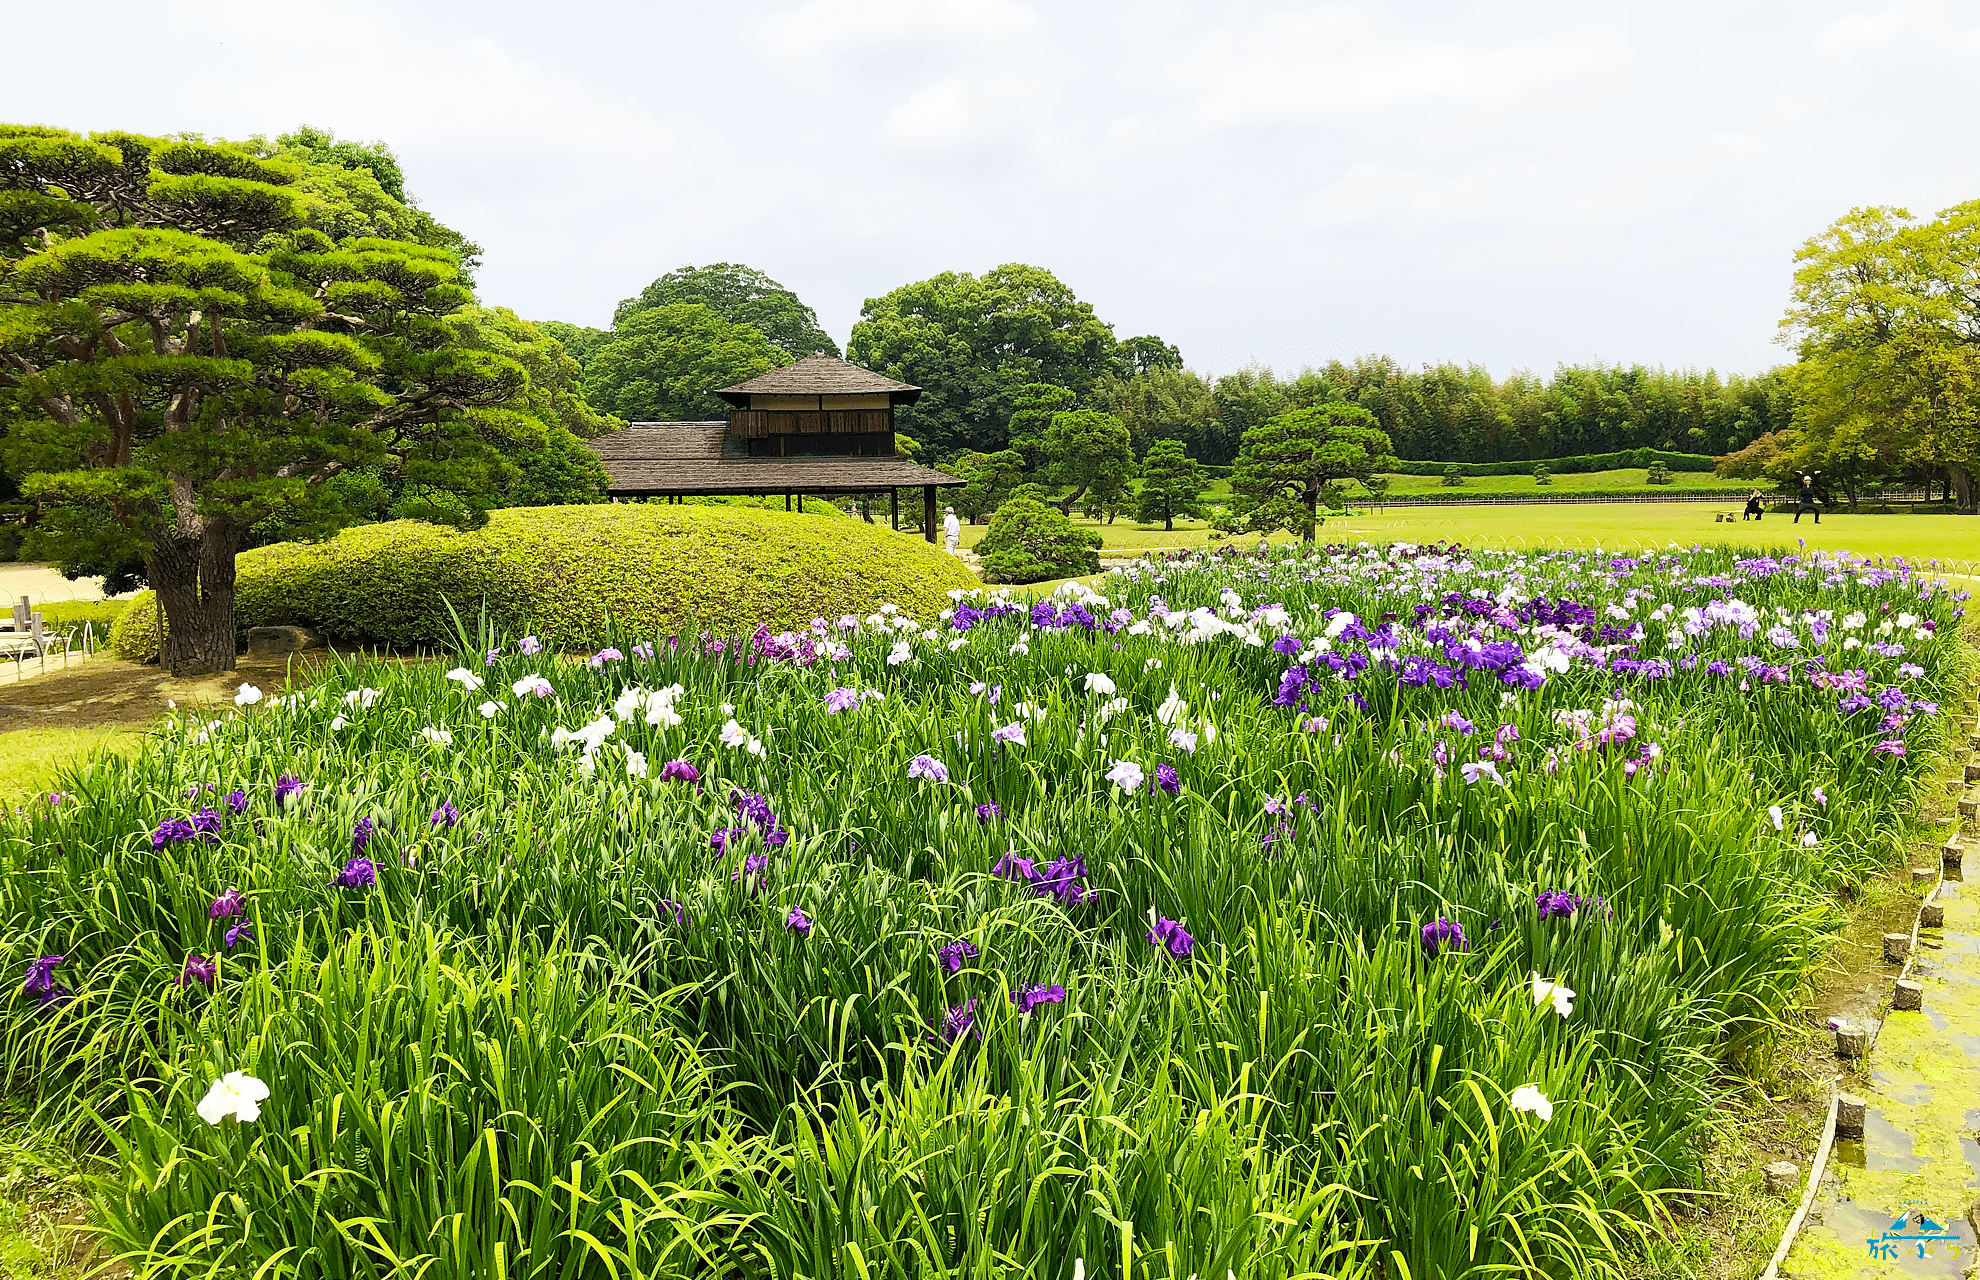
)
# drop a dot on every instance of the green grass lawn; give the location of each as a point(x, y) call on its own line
point(31, 759)
point(1923, 537)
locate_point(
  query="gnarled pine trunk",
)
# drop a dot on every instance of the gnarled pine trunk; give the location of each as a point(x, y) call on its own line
point(194, 579)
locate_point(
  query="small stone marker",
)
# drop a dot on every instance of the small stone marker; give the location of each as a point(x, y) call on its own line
point(1851, 1042)
point(1953, 852)
point(1849, 1115)
point(1896, 947)
point(1969, 804)
point(1932, 916)
point(1973, 771)
point(1923, 875)
point(1782, 1177)
point(1908, 995)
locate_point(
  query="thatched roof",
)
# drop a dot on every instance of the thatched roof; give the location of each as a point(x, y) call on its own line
point(649, 458)
point(819, 375)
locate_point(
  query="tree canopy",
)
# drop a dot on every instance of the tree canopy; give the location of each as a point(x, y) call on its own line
point(739, 295)
point(1287, 465)
point(197, 337)
point(663, 363)
point(973, 343)
point(1886, 316)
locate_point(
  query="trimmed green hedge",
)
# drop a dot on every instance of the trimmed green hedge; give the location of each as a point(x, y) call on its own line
point(572, 574)
point(1622, 460)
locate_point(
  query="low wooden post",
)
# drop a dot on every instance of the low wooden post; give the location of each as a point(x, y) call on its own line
point(928, 512)
point(1851, 1111)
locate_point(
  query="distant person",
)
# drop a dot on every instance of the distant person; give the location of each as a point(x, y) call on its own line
point(1809, 495)
point(951, 530)
point(1754, 510)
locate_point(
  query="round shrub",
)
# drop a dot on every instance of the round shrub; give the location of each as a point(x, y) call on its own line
point(574, 575)
point(1029, 542)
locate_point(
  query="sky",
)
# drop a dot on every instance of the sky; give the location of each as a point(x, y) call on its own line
point(1513, 183)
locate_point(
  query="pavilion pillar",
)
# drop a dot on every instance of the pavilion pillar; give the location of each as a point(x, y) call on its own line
point(894, 496)
point(928, 512)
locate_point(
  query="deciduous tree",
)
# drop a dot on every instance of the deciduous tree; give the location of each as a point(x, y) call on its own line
point(663, 363)
point(740, 295)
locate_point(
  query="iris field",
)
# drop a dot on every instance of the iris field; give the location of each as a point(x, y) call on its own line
point(1380, 911)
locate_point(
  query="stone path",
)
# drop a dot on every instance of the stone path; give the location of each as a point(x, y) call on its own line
point(1901, 1199)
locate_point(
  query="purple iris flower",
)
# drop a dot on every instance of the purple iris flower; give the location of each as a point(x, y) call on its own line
point(723, 837)
point(358, 873)
point(446, 815)
point(841, 700)
point(1028, 998)
point(1167, 778)
point(41, 982)
point(1170, 935)
point(1555, 902)
point(230, 903)
point(1286, 646)
point(959, 1022)
point(988, 813)
point(199, 969)
point(287, 787)
point(955, 954)
point(170, 831)
point(206, 823)
point(675, 908)
point(1061, 880)
point(680, 771)
point(237, 801)
point(361, 835)
point(242, 931)
point(1440, 934)
point(798, 922)
point(754, 870)
point(1012, 867)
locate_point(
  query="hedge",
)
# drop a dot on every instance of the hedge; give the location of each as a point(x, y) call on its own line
point(1563, 466)
point(577, 576)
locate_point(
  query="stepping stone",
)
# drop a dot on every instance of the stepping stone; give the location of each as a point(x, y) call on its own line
point(1850, 1111)
point(1908, 994)
point(1952, 852)
point(1969, 804)
point(1781, 1177)
point(1923, 875)
point(1932, 916)
point(1851, 1042)
point(1896, 947)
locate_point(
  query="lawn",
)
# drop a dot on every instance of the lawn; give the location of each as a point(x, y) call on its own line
point(30, 759)
point(1923, 537)
point(1249, 920)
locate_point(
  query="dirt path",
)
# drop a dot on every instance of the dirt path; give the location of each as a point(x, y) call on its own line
point(109, 692)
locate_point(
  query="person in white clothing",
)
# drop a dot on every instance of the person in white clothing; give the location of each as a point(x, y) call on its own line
point(951, 530)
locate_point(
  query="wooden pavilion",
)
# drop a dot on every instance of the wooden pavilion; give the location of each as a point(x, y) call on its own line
point(819, 426)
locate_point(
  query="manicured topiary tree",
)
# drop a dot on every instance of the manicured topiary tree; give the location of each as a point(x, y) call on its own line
point(1453, 476)
point(1541, 475)
point(1286, 464)
point(184, 353)
point(1171, 485)
point(1029, 541)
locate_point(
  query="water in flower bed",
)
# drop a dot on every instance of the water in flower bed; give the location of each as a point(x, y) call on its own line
point(1367, 909)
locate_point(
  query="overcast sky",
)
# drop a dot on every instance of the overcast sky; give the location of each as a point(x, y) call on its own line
point(1512, 182)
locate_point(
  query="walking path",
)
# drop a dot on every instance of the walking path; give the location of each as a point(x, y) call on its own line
point(1903, 1199)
